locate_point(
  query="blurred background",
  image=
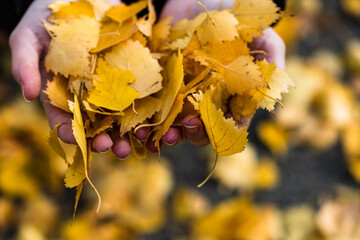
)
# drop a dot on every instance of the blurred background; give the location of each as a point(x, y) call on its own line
point(298, 178)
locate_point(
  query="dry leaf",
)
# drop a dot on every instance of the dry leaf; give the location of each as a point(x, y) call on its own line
point(111, 88)
point(133, 57)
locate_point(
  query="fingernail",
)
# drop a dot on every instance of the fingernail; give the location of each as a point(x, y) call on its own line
point(123, 158)
point(22, 90)
point(191, 129)
point(106, 150)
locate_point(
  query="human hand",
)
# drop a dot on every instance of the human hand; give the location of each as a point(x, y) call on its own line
point(270, 42)
point(29, 43)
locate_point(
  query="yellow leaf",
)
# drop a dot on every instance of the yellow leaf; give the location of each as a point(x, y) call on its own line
point(122, 12)
point(185, 27)
point(80, 137)
point(160, 33)
point(217, 27)
point(131, 56)
point(111, 33)
point(99, 126)
point(55, 143)
point(240, 75)
point(58, 93)
point(175, 75)
point(100, 8)
point(111, 89)
point(69, 48)
point(279, 83)
point(91, 109)
point(243, 105)
point(145, 108)
point(139, 149)
point(75, 174)
point(65, 10)
point(169, 120)
point(224, 52)
point(145, 25)
point(225, 137)
point(259, 14)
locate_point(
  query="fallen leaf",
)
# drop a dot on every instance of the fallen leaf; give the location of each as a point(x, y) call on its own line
point(112, 88)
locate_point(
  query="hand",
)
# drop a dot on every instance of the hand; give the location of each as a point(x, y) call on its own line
point(270, 42)
point(29, 43)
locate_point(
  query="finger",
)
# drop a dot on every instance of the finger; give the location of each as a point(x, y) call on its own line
point(122, 148)
point(194, 131)
point(26, 50)
point(142, 134)
point(274, 47)
point(121, 145)
point(102, 143)
point(151, 146)
point(172, 136)
point(56, 116)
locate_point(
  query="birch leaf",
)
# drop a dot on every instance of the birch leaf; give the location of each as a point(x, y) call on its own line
point(111, 90)
point(132, 57)
point(225, 137)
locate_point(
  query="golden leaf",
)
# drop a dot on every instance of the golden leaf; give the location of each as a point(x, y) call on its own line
point(122, 12)
point(145, 108)
point(175, 76)
point(58, 93)
point(80, 137)
point(145, 25)
point(259, 14)
point(111, 88)
point(160, 33)
point(240, 75)
point(75, 174)
point(185, 27)
point(65, 10)
point(112, 33)
point(99, 126)
point(225, 137)
point(224, 52)
point(278, 83)
point(100, 8)
point(131, 56)
point(217, 27)
point(69, 48)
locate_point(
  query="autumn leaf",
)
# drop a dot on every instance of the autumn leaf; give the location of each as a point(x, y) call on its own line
point(224, 52)
point(145, 108)
point(58, 93)
point(145, 25)
point(111, 88)
point(217, 27)
point(65, 10)
point(80, 137)
point(132, 57)
point(99, 126)
point(225, 137)
point(259, 14)
point(112, 33)
point(175, 75)
point(122, 12)
point(69, 48)
point(240, 75)
point(278, 83)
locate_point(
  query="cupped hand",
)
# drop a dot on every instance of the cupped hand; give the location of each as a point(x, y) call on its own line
point(29, 43)
point(270, 42)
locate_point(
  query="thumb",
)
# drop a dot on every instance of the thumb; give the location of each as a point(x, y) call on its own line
point(25, 50)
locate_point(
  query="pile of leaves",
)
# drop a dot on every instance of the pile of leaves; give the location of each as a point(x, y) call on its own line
point(111, 68)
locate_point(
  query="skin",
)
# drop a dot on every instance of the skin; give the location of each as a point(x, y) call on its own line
point(29, 43)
